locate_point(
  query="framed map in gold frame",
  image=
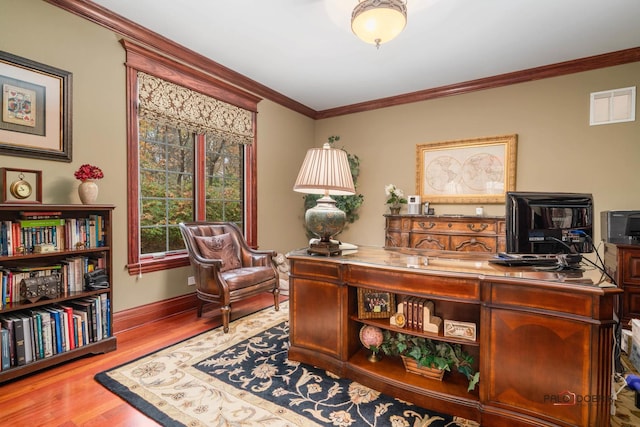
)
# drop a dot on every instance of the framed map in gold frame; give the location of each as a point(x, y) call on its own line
point(479, 170)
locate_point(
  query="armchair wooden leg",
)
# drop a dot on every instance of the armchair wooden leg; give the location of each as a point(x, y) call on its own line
point(226, 312)
point(199, 308)
point(276, 299)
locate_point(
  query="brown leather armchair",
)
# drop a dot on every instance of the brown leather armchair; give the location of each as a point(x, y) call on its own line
point(225, 268)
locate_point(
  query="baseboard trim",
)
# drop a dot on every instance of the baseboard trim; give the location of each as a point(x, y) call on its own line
point(138, 316)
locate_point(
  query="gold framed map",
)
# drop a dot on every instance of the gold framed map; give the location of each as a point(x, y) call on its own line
point(479, 170)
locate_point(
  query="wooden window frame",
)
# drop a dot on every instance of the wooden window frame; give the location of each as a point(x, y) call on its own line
point(151, 62)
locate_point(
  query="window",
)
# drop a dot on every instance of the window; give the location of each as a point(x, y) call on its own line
point(224, 181)
point(166, 186)
point(167, 158)
point(191, 156)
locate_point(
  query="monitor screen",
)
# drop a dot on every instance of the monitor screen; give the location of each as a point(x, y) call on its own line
point(549, 223)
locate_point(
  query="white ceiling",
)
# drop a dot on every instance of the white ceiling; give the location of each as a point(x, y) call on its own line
point(305, 50)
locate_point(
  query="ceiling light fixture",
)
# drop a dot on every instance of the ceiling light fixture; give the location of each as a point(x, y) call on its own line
point(379, 21)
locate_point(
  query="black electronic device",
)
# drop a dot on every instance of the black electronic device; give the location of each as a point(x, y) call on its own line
point(96, 280)
point(541, 223)
point(620, 227)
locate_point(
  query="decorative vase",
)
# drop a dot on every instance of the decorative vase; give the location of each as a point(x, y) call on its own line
point(411, 365)
point(395, 209)
point(88, 192)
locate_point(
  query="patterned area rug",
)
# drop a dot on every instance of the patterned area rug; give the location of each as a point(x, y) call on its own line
point(244, 378)
point(626, 412)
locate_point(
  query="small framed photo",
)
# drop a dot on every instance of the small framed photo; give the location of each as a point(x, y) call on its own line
point(374, 304)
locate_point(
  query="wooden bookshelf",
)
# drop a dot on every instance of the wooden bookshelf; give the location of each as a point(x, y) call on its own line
point(89, 244)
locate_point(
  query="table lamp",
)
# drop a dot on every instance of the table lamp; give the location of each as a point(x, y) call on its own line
point(325, 171)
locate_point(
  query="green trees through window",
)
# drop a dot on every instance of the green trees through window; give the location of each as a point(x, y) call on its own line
point(169, 179)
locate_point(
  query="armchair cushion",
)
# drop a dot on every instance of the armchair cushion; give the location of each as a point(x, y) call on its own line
point(219, 247)
point(238, 278)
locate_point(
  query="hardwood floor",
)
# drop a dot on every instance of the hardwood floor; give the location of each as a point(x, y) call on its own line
point(67, 395)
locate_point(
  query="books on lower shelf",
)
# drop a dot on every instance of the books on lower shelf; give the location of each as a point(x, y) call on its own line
point(30, 335)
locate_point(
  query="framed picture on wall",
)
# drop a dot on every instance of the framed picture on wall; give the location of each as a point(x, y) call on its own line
point(479, 170)
point(35, 120)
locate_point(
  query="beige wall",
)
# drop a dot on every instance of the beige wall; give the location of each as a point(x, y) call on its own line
point(96, 59)
point(557, 150)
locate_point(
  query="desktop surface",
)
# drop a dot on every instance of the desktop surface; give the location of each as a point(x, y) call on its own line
point(467, 263)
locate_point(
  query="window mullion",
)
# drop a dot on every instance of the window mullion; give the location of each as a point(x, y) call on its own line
point(200, 181)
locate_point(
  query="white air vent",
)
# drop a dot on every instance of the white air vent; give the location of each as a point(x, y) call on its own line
point(613, 106)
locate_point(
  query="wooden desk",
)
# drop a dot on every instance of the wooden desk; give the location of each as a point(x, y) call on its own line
point(543, 337)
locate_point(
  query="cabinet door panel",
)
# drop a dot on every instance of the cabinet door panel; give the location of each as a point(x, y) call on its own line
point(631, 269)
point(318, 321)
point(538, 363)
point(631, 302)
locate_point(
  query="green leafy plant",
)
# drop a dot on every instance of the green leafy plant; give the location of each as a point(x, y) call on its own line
point(348, 204)
point(431, 353)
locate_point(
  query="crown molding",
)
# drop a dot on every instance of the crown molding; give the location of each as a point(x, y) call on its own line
point(554, 70)
point(154, 41)
point(126, 28)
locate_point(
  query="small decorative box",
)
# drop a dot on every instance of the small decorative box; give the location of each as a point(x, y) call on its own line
point(464, 330)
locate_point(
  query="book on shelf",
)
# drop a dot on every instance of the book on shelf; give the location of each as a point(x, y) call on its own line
point(33, 223)
point(5, 353)
point(67, 311)
point(7, 324)
point(18, 341)
point(56, 327)
point(47, 333)
point(84, 321)
point(87, 310)
point(106, 315)
point(36, 322)
point(40, 214)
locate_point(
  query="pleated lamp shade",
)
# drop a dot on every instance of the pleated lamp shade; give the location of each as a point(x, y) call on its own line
point(325, 171)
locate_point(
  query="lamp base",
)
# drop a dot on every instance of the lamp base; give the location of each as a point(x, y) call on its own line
point(324, 248)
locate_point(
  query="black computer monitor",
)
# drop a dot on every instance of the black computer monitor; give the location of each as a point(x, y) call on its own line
point(544, 223)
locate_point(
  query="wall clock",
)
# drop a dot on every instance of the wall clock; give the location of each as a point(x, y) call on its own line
point(21, 185)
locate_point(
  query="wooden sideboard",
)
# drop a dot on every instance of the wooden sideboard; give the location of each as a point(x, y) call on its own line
point(622, 262)
point(544, 339)
point(447, 233)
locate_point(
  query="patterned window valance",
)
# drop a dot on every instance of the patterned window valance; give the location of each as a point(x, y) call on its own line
point(177, 106)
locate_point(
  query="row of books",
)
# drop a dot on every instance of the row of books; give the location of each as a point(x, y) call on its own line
point(23, 235)
point(31, 335)
point(70, 271)
point(420, 314)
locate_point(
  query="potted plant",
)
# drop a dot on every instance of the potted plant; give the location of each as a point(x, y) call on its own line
point(395, 198)
point(426, 354)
